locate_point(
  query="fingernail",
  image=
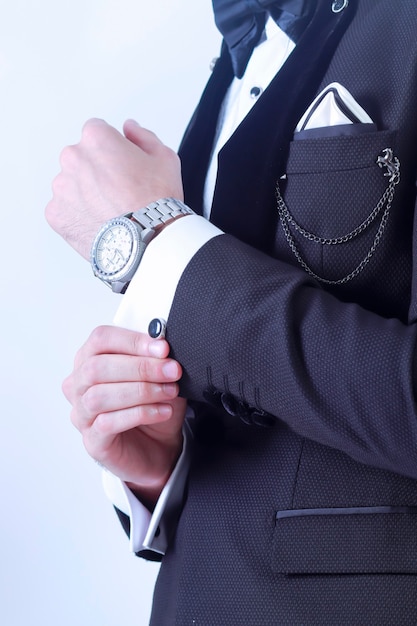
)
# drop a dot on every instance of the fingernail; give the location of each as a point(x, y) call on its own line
point(157, 348)
point(165, 410)
point(170, 390)
point(170, 369)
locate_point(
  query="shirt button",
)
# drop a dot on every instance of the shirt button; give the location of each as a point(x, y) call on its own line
point(255, 92)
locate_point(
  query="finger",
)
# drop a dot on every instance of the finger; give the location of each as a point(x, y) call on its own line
point(119, 440)
point(118, 369)
point(141, 137)
point(68, 387)
point(115, 340)
point(98, 135)
point(109, 399)
point(94, 121)
point(125, 368)
point(117, 396)
point(108, 425)
point(94, 130)
point(121, 419)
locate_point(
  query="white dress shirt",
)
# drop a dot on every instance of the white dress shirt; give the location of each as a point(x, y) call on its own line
point(168, 255)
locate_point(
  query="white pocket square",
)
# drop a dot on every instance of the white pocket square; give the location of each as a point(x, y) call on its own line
point(334, 106)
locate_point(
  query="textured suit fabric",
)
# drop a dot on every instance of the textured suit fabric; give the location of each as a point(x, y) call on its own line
point(311, 520)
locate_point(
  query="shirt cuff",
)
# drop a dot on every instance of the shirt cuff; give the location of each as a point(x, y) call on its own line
point(150, 294)
point(124, 500)
point(150, 531)
point(152, 289)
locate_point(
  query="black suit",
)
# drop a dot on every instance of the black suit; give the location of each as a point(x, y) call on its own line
point(310, 517)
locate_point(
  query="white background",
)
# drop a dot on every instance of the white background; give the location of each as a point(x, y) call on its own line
point(64, 559)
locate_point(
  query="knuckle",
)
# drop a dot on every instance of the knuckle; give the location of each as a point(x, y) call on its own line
point(79, 358)
point(101, 426)
point(138, 343)
point(141, 392)
point(92, 131)
point(67, 388)
point(91, 401)
point(141, 413)
point(90, 372)
point(57, 187)
point(143, 368)
point(75, 419)
point(98, 339)
point(51, 213)
point(67, 158)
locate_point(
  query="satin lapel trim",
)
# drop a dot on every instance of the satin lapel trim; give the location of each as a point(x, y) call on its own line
point(254, 157)
point(197, 143)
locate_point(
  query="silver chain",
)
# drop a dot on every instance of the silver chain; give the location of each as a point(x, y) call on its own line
point(288, 220)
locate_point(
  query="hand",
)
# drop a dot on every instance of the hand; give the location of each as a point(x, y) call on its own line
point(124, 395)
point(107, 174)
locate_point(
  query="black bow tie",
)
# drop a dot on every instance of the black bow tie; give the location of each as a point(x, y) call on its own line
point(242, 23)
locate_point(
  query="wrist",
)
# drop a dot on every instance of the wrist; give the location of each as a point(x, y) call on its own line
point(149, 488)
point(148, 494)
point(120, 244)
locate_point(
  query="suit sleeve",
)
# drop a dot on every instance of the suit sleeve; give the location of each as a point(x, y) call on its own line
point(263, 339)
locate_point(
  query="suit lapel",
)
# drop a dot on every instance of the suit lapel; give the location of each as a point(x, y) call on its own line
point(254, 158)
point(196, 146)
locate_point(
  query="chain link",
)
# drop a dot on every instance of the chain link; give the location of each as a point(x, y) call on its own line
point(288, 220)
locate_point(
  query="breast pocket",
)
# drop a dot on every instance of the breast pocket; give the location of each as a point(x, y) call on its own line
point(335, 203)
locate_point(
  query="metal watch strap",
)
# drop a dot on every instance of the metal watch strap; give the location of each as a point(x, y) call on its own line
point(160, 212)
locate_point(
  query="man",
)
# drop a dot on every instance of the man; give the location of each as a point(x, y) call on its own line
point(291, 322)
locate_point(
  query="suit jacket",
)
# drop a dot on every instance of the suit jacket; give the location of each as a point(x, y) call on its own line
point(302, 498)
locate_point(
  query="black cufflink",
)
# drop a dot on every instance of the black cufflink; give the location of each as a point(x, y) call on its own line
point(156, 328)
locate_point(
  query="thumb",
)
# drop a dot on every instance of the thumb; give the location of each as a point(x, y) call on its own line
point(141, 137)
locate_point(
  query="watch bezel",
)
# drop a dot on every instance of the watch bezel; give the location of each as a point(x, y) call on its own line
point(135, 253)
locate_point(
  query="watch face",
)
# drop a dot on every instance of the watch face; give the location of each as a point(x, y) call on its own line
point(115, 249)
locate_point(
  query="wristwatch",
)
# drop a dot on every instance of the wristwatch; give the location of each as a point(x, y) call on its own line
point(121, 242)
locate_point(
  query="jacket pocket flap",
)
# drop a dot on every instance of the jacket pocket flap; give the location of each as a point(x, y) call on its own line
point(371, 540)
point(351, 152)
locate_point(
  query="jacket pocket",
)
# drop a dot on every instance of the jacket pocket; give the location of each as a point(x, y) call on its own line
point(362, 540)
point(332, 189)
